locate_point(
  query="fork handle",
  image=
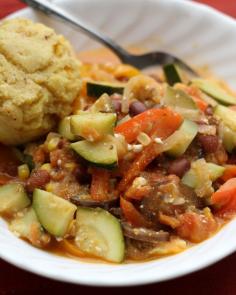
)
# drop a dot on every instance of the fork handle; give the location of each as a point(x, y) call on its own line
point(52, 9)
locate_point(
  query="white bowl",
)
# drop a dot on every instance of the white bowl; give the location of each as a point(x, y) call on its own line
point(199, 35)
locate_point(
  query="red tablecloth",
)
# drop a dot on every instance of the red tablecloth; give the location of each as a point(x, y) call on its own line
point(218, 279)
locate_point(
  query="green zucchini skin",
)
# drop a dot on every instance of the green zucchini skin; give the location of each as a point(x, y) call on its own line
point(13, 198)
point(96, 89)
point(181, 102)
point(93, 126)
point(172, 74)
point(22, 226)
point(102, 154)
point(190, 178)
point(227, 116)
point(214, 90)
point(54, 213)
point(188, 131)
point(99, 233)
point(65, 130)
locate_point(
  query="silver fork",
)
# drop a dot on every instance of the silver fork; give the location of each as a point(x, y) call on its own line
point(140, 61)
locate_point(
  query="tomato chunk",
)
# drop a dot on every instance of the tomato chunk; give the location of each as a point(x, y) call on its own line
point(230, 172)
point(225, 197)
point(196, 227)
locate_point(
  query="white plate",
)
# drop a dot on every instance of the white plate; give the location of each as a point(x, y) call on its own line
point(193, 32)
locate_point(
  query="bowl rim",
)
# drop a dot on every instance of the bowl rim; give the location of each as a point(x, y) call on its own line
point(213, 258)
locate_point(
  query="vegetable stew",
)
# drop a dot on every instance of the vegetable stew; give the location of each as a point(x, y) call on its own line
point(144, 166)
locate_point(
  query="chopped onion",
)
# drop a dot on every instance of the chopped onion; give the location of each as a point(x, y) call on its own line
point(207, 129)
point(144, 139)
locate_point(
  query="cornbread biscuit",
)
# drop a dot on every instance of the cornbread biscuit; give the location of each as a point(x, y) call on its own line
point(39, 80)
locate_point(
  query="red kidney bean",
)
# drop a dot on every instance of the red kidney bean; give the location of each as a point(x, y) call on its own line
point(136, 108)
point(209, 111)
point(209, 143)
point(37, 179)
point(116, 96)
point(117, 105)
point(179, 167)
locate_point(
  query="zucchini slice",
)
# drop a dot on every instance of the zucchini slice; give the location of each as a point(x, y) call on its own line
point(54, 213)
point(172, 74)
point(228, 137)
point(103, 104)
point(188, 130)
point(65, 130)
point(215, 171)
point(227, 116)
point(191, 178)
point(26, 226)
point(99, 233)
point(13, 198)
point(96, 89)
point(102, 153)
point(214, 89)
point(93, 126)
point(22, 225)
point(181, 102)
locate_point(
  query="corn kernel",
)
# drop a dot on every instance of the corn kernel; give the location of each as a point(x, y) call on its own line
point(70, 166)
point(23, 171)
point(46, 166)
point(53, 143)
point(126, 71)
point(49, 187)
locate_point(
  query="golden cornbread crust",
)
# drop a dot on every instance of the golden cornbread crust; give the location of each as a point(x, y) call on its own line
point(39, 80)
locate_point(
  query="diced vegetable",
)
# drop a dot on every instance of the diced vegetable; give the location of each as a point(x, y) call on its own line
point(13, 198)
point(227, 116)
point(187, 132)
point(172, 74)
point(103, 104)
point(26, 225)
point(165, 126)
point(93, 126)
point(201, 104)
point(102, 153)
point(22, 225)
point(192, 178)
point(132, 215)
point(178, 98)
point(197, 227)
point(225, 197)
point(181, 102)
point(216, 91)
point(143, 88)
point(228, 137)
point(144, 234)
point(96, 89)
point(54, 213)
point(23, 171)
point(123, 120)
point(100, 184)
point(215, 171)
point(99, 233)
point(162, 122)
point(230, 172)
point(65, 130)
